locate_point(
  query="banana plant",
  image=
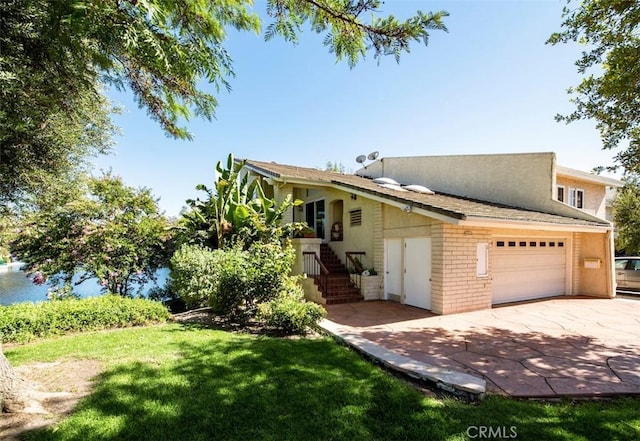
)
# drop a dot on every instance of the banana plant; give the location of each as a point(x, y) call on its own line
point(236, 209)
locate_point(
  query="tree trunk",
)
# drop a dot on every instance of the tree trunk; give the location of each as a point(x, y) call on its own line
point(13, 389)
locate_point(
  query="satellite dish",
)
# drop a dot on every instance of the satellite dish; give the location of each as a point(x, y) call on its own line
point(373, 156)
point(360, 159)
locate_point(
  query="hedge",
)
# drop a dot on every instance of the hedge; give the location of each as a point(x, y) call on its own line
point(25, 321)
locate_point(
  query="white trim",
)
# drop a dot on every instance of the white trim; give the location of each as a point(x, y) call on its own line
point(531, 225)
point(564, 193)
point(573, 197)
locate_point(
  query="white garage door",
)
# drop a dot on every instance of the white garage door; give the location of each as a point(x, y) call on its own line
point(528, 268)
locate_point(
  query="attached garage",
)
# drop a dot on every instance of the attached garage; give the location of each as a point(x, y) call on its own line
point(527, 268)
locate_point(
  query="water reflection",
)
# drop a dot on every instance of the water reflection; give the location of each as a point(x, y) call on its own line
point(16, 287)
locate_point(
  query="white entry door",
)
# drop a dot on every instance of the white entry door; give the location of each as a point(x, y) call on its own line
point(393, 269)
point(417, 272)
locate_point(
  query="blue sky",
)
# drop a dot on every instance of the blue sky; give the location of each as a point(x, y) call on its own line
point(489, 85)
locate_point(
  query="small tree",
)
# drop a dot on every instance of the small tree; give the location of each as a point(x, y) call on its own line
point(627, 217)
point(114, 233)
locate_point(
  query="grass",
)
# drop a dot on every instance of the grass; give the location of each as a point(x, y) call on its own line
point(175, 382)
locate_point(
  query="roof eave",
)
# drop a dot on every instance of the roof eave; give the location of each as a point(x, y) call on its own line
point(476, 221)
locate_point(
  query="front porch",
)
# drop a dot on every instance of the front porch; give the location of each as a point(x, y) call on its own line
point(330, 281)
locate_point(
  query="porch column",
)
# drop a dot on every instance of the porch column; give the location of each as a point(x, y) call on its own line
point(302, 245)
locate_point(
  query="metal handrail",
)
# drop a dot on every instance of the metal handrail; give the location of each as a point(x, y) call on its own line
point(314, 267)
point(354, 266)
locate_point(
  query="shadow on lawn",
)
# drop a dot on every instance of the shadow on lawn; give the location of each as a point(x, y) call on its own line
point(260, 388)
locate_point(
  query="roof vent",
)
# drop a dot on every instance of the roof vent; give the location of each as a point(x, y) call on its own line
point(387, 181)
point(418, 189)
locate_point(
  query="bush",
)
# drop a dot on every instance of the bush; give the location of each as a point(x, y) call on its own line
point(234, 282)
point(25, 321)
point(194, 272)
point(231, 281)
point(289, 311)
point(248, 278)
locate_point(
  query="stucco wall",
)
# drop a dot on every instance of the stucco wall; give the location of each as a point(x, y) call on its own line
point(398, 223)
point(514, 179)
point(357, 238)
point(595, 282)
point(594, 195)
point(526, 180)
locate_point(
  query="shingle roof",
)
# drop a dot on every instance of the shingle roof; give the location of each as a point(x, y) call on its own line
point(452, 206)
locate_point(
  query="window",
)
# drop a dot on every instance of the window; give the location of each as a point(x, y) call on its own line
point(576, 197)
point(621, 264)
point(482, 259)
point(500, 243)
point(355, 217)
point(314, 215)
point(560, 193)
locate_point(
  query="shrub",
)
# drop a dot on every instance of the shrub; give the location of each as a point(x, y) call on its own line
point(234, 284)
point(231, 281)
point(194, 272)
point(289, 311)
point(248, 278)
point(25, 321)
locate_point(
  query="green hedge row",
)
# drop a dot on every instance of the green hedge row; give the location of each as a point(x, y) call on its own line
point(25, 321)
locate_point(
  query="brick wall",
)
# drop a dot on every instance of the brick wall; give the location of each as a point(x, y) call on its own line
point(455, 287)
point(378, 240)
point(576, 268)
point(281, 192)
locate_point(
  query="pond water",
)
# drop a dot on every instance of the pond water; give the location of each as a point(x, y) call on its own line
point(16, 287)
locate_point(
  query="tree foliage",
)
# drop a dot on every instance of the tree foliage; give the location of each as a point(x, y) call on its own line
point(53, 115)
point(236, 210)
point(163, 50)
point(627, 217)
point(114, 233)
point(610, 91)
point(347, 35)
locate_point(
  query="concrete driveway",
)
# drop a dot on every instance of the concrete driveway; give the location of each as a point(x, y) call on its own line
point(566, 346)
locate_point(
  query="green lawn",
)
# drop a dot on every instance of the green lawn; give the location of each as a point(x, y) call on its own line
point(174, 382)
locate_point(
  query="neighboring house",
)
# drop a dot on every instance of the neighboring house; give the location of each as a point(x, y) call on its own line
point(493, 232)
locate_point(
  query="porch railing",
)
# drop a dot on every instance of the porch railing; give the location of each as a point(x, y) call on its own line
point(313, 267)
point(354, 265)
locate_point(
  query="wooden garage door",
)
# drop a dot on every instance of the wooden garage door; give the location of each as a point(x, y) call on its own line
point(528, 268)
